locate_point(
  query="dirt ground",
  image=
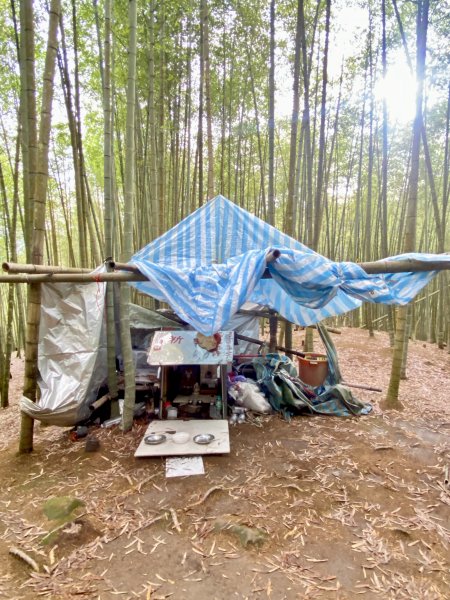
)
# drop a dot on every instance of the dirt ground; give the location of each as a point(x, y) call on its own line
point(327, 507)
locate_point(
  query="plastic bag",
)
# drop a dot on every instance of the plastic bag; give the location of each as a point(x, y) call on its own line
point(248, 394)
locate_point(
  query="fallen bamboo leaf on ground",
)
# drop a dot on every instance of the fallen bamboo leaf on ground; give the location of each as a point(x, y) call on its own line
point(175, 519)
point(25, 557)
point(204, 497)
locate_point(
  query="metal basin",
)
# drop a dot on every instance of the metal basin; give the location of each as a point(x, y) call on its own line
point(154, 438)
point(203, 438)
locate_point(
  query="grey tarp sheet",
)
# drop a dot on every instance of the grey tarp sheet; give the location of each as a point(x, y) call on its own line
point(72, 353)
point(72, 350)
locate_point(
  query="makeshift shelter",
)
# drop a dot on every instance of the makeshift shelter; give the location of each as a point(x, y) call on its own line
point(206, 268)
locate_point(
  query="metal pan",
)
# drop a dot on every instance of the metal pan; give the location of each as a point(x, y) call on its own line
point(154, 438)
point(203, 438)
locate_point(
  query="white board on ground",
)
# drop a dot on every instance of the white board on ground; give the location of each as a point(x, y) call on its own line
point(181, 466)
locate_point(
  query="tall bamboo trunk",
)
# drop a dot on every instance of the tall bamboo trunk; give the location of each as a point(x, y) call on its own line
point(153, 174)
point(207, 81)
point(161, 125)
point(28, 117)
point(368, 220)
point(309, 212)
point(271, 123)
point(318, 203)
point(392, 400)
point(34, 290)
point(290, 207)
point(125, 291)
point(11, 230)
point(109, 207)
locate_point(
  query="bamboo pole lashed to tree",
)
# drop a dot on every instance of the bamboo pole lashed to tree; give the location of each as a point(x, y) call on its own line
point(11, 267)
point(129, 272)
point(72, 277)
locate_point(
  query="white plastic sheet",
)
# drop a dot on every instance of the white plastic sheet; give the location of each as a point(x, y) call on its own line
point(72, 352)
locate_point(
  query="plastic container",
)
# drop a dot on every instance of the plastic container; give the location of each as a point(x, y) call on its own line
point(172, 412)
point(219, 408)
point(313, 368)
point(215, 408)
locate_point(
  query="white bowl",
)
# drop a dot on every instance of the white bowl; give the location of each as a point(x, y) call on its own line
point(181, 437)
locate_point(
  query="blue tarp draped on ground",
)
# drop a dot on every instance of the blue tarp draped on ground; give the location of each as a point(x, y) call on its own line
point(212, 262)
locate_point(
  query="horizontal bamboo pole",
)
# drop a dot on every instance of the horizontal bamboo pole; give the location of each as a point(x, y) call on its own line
point(133, 274)
point(362, 387)
point(72, 277)
point(272, 256)
point(245, 338)
point(112, 264)
point(100, 402)
point(407, 265)
point(19, 268)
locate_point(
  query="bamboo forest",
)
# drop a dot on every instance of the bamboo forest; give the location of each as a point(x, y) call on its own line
point(329, 120)
point(216, 217)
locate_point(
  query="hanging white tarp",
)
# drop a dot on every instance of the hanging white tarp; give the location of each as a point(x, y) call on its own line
point(72, 360)
point(72, 353)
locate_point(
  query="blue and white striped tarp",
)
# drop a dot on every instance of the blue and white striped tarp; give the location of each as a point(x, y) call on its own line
point(212, 262)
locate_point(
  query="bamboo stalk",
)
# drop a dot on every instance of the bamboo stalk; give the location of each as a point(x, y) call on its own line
point(362, 387)
point(118, 266)
point(245, 338)
point(371, 268)
point(379, 318)
point(407, 265)
point(272, 256)
point(11, 267)
point(56, 274)
point(97, 403)
point(72, 277)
